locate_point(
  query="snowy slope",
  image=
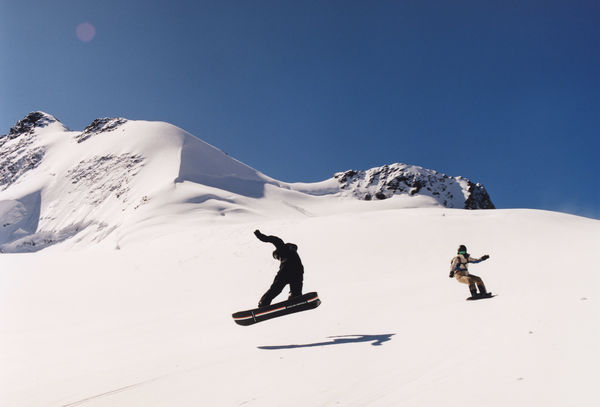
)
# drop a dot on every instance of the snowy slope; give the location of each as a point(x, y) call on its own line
point(150, 325)
point(140, 313)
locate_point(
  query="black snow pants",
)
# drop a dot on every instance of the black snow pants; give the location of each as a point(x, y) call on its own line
point(283, 278)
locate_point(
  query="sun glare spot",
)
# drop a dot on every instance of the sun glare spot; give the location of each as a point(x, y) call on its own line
point(85, 32)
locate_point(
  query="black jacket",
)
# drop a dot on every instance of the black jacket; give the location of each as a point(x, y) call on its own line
point(286, 253)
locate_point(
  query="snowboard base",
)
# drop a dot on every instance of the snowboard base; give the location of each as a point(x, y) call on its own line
point(481, 297)
point(296, 304)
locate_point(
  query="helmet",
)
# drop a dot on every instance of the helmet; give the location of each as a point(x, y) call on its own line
point(462, 249)
point(276, 255)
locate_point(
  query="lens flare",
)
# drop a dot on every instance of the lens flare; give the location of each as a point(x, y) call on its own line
point(85, 32)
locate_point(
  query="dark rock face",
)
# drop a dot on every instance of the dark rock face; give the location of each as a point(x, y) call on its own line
point(27, 125)
point(397, 179)
point(17, 155)
point(478, 198)
point(100, 126)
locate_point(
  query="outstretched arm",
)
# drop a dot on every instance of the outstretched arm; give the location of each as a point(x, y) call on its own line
point(269, 239)
point(473, 260)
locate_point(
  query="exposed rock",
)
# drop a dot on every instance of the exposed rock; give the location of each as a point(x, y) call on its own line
point(100, 126)
point(17, 155)
point(478, 198)
point(103, 176)
point(384, 182)
point(29, 123)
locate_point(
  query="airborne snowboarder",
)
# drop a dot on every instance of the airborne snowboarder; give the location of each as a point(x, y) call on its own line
point(290, 271)
point(459, 270)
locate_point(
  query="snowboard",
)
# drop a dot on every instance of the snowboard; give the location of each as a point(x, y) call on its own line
point(296, 304)
point(481, 297)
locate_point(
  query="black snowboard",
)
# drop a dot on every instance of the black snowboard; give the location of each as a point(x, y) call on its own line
point(481, 297)
point(296, 304)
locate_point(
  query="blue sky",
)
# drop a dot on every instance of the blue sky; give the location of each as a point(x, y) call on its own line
point(505, 93)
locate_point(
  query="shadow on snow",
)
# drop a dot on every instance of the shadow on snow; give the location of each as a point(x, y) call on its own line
point(377, 340)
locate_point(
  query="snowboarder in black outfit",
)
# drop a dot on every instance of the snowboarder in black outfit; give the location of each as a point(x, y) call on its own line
point(290, 271)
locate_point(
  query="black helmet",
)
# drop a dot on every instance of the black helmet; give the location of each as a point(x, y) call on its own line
point(462, 249)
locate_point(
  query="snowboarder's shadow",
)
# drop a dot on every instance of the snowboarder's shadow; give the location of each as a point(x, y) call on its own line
point(377, 340)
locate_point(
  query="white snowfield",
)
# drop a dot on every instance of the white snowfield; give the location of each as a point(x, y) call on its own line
point(125, 255)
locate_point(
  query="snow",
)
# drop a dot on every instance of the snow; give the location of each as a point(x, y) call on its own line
point(129, 301)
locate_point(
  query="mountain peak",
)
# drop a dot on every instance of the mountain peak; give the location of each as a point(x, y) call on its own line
point(30, 122)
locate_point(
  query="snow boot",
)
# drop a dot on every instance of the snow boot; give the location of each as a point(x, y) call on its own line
point(473, 292)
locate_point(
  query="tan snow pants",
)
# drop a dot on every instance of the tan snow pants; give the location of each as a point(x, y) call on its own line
point(471, 280)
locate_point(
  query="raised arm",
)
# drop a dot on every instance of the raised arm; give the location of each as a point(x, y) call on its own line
point(269, 239)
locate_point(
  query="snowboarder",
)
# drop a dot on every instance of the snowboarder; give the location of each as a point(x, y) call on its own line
point(290, 271)
point(459, 270)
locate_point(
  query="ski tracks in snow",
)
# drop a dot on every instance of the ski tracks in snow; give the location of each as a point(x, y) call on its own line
point(111, 392)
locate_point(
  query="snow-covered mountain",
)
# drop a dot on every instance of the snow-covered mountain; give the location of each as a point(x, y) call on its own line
point(57, 184)
point(139, 315)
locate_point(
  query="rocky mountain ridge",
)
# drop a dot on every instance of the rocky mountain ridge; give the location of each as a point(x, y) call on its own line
point(389, 180)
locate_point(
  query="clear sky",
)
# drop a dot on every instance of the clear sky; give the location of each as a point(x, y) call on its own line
point(505, 93)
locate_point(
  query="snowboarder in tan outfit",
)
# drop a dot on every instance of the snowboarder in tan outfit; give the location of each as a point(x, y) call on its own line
point(459, 270)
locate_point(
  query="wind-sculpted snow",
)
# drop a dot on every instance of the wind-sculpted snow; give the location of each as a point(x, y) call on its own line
point(384, 182)
point(204, 164)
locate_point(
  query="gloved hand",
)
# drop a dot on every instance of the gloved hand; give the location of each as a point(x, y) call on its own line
point(485, 257)
point(258, 234)
point(451, 274)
